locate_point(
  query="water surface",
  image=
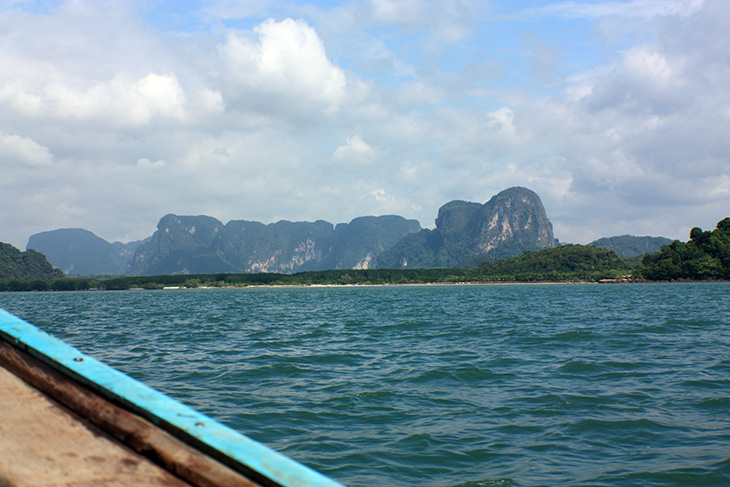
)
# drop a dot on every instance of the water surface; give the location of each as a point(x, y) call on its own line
point(470, 386)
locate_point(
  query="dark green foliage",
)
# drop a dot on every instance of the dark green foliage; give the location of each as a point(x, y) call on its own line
point(74, 284)
point(705, 256)
point(629, 246)
point(17, 265)
point(565, 263)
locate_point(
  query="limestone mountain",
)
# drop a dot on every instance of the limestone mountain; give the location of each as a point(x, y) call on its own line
point(202, 244)
point(79, 252)
point(28, 265)
point(466, 233)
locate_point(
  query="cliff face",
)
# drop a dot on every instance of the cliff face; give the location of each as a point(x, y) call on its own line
point(513, 218)
point(181, 244)
point(201, 244)
point(509, 224)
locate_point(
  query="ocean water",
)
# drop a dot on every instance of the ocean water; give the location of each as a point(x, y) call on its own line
point(469, 386)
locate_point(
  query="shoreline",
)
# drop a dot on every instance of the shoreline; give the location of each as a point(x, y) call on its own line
point(416, 284)
point(365, 285)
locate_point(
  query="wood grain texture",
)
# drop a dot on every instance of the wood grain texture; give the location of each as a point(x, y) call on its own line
point(40, 443)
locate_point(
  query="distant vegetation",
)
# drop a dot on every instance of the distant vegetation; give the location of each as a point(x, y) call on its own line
point(565, 263)
point(29, 265)
point(705, 256)
point(627, 246)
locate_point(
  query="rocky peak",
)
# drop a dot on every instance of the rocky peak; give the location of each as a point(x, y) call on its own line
point(509, 224)
point(454, 216)
point(515, 214)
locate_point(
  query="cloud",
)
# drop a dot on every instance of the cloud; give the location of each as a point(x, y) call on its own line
point(119, 102)
point(24, 151)
point(631, 9)
point(372, 107)
point(115, 103)
point(355, 152)
point(145, 163)
point(283, 70)
point(448, 20)
point(645, 81)
point(645, 137)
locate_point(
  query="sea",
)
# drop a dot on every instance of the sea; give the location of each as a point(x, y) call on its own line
point(436, 385)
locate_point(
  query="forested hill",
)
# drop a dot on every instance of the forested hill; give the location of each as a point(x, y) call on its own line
point(29, 265)
point(630, 246)
point(705, 256)
point(564, 263)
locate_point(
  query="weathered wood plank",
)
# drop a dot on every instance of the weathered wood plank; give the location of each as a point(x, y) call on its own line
point(45, 444)
point(126, 427)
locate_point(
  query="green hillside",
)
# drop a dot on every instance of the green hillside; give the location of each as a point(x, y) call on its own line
point(705, 256)
point(627, 246)
point(29, 265)
point(565, 263)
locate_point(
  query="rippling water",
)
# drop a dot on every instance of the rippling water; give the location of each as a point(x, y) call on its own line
point(470, 386)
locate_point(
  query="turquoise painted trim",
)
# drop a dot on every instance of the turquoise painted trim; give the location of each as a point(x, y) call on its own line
point(160, 408)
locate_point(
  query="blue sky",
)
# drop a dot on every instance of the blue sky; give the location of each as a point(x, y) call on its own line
point(113, 114)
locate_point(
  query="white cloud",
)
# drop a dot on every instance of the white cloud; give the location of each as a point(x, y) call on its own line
point(285, 70)
point(355, 152)
point(501, 121)
point(645, 80)
point(24, 151)
point(381, 195)
point(119, 102)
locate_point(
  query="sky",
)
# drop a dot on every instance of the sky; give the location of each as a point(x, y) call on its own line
point(114, 114)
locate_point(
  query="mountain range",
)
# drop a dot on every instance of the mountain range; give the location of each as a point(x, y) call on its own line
point(465, 234)
point(202, 244)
